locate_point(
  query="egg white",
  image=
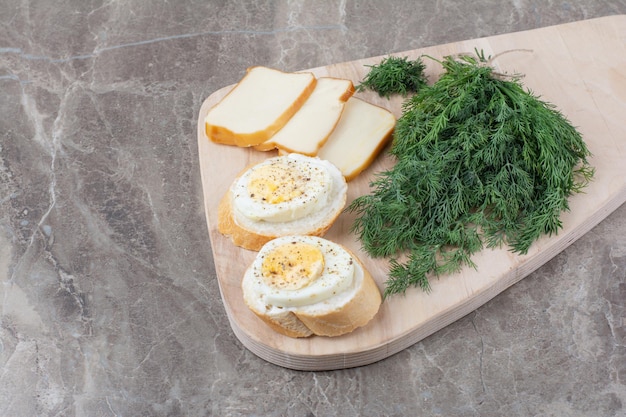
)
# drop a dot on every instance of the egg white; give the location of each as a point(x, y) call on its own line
point(323, 197)
point(336, 277)
point(314, 182)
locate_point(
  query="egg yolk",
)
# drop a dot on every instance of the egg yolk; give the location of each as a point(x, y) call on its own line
point(292, 266)
point(275, 183)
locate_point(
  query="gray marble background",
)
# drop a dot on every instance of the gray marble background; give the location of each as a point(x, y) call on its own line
point(108, 297)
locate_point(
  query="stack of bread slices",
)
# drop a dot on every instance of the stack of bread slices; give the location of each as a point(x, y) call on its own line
point(296, 112)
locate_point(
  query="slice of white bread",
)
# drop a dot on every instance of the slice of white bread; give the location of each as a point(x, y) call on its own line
point(361, 133)
point(311, 125)
point(258, 106)
point(336, 299)
point(252, 233)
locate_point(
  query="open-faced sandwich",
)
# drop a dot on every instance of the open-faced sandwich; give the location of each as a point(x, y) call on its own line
point(285, 195)
point(306, 285)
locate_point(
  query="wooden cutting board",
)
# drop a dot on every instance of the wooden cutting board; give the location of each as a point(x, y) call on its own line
point(580, 67)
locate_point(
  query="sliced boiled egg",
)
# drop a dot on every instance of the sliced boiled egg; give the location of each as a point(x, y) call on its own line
point(295, 271)
point(283, 188)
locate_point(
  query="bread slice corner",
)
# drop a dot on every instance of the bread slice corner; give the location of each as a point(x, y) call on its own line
point(258, 106)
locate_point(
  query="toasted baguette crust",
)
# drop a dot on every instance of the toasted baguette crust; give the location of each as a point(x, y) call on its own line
point(310, 127)
point(226, 225)
point(287, 324)
point(223, 131)
point(332, 321)
point(345, 319)
point(249, 239)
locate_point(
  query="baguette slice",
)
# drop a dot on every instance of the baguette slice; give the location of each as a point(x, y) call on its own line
point(252, 234)
point(362, 132)
point(348, 308)
point(311, 125)
point(258, 106)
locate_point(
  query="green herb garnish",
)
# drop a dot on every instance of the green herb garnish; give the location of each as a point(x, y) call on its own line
point(394, 75)
point(479, 161)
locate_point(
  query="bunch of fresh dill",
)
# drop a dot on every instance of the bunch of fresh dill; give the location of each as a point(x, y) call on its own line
point(480, 161)
point(395, 75)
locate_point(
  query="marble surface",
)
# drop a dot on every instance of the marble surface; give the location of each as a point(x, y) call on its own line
point(108, 297)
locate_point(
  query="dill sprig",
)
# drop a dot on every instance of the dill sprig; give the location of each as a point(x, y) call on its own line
point(480, 161)
point(395, 75)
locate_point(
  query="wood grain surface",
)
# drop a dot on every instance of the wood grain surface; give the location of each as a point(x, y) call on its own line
point(580, 67)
